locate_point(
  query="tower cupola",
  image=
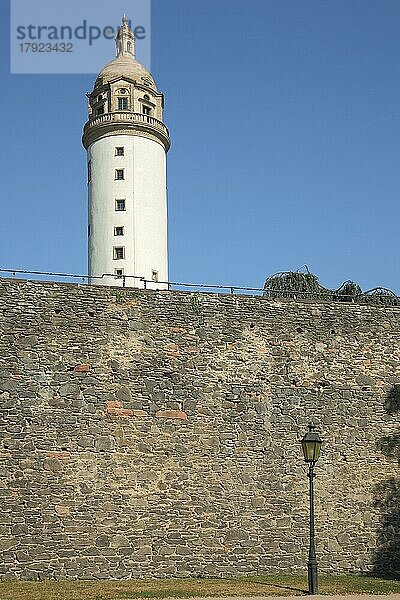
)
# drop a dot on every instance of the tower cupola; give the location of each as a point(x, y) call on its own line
point(125, 39)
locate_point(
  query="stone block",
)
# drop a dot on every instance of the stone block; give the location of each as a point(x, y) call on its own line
point(86, 441)
point(104, 443)
point(171, 414)
point(69, 390)
point(124, 394)
point(120, 541)
point(62, 511)
point(258, 502)
point(103, 541)
point(22, 556)
point(52, 464)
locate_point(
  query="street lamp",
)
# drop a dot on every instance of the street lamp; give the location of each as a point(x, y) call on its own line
point(311, 444)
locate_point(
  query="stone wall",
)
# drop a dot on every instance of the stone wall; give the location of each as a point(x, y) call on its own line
point(157, 433)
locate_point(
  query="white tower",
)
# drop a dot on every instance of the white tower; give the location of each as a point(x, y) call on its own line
point(127, 143)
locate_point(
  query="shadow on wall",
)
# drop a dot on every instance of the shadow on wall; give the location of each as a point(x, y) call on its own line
point(387, 499)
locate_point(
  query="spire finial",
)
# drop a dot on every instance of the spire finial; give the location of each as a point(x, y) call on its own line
point(125, 40)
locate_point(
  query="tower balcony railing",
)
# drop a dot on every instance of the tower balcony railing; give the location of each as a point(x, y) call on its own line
point(128, 117)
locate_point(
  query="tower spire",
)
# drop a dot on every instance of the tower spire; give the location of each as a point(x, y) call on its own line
point(125, 40)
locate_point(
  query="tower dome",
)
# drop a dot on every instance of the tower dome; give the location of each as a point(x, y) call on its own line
point(126, 142)
point(128, 67)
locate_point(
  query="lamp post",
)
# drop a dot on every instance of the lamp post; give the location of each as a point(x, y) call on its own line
point(311, 444)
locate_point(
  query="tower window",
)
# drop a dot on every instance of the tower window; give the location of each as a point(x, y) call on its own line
point(118, 231)
point(89, 171)
point(154, 276)
point(129, 47)
point(146, 110)
point(119, 174)
point(119, 151)
point(89, 229)
point(119, 273)
point(119, 252)
point(120, 204)
point(122, 103)
point(100, 110)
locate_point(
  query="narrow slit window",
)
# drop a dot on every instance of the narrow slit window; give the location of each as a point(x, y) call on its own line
point(89, 170)
point(118, 230)
point(154, 276)
point(119, 151)
point(119, 174)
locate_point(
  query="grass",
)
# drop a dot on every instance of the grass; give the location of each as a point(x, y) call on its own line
point(186, 588)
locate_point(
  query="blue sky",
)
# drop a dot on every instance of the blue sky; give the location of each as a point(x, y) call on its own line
point(285, 124)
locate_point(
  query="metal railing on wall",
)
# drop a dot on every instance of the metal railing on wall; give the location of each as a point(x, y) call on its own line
point(127, 281)
point(376, 296)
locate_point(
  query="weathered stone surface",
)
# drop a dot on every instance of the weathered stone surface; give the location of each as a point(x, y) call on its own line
point(258, 502)
point(123, 394)
point(102, 541)
point(52, 464)
point(171, 414)
point(69, 389)
point(119, 541)
point(176, 453)
point(62, 510)
point(104, 442)
point(86, 441)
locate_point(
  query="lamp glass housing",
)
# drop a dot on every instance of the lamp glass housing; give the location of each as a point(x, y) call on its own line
point(311, 444)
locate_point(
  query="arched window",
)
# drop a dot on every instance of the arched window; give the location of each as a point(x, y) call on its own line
point(146, 109)
point(129, 46)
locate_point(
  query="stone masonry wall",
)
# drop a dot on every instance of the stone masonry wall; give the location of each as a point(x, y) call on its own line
point(157, 433)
